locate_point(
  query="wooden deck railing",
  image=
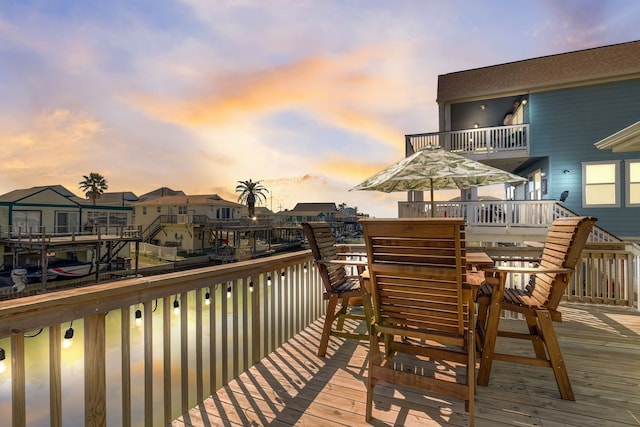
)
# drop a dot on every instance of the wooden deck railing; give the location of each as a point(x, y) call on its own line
point(135, 362)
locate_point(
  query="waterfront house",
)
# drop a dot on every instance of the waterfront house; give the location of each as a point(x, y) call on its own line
point(31, 217)
point(540, 118)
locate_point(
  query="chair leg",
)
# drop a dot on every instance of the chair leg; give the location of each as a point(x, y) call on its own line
point(341, 313)
point(328, 323)
point(538, 344)
point(471, 377)
point(375, 359)
point(555, 355)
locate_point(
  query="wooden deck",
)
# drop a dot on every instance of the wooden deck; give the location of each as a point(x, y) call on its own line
point(293, 386)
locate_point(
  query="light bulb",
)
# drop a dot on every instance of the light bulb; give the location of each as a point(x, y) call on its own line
point(3, 366)
point(251, 286)
point(68, 338)
point(229, 292)
point(138, 320)
point(207, 298)
point(176, 306)
point(269, 280)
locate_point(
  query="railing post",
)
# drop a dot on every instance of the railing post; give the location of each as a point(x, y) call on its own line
point(95, 388)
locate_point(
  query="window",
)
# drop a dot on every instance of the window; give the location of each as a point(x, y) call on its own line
point(159, 209)
point(144, 210)
point(633, 182)
point(600, 184)
point(182, 210)
point(66, 222)
point(26, 222)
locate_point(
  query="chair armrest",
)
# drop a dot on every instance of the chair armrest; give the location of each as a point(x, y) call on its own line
point(531, 270)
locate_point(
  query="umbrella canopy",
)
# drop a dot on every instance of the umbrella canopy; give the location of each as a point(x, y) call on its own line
point(433, 168)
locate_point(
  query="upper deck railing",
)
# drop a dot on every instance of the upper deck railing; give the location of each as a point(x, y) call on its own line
point(512, 140)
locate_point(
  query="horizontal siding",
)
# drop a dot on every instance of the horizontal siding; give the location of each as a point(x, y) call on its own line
point(565, 124)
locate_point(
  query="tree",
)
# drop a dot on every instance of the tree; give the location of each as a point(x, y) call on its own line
point(250, 193)
point(93, 186)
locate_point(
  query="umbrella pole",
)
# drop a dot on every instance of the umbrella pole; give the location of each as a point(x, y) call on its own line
point(433, 203)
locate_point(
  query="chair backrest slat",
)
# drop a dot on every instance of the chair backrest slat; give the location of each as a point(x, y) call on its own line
point(562, 248)
point(417, 267)
point(322, 245)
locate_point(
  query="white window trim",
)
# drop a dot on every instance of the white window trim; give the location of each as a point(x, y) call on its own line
point(627, 183)
point(617, 184)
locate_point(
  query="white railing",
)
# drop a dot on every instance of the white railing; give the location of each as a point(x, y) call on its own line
point(159, 252)
point(507, 214)
point(474, 141)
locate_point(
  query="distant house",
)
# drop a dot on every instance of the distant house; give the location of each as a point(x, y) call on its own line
point(193, 223)
point(545, 119)
point(340, 222)
point(53, 211)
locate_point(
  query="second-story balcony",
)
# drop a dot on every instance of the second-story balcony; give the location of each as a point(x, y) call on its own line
point(505, 147)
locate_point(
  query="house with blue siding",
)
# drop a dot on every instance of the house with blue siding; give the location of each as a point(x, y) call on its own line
point(548, 119)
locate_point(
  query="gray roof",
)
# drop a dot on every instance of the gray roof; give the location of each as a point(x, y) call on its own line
point(607, 63)
point(314, 207)
point(17, 195)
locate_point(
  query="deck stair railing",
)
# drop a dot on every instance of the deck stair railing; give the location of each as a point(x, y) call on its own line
point(133, 361)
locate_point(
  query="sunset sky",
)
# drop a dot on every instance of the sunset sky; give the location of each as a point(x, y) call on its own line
point(309, 97)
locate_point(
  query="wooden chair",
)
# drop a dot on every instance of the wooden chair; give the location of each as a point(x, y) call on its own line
point(538, 302)
point(339, 285)
point(422, 307)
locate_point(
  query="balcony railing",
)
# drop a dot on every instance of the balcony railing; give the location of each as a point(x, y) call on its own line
point(45, 234)
point(135, 362)
point(512, 139)
point(504, 214)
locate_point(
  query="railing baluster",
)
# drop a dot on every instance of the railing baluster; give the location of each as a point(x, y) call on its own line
point(95, 386)
point(184, 352)
point(18, 395)
point(55, 376)
point(125, 343)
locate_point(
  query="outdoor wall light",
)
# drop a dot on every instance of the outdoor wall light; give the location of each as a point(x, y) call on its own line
point(3, 366)
point(476, 125)
point(138, 315)
point(483, 106)
point(68, 337)
point(566, 171)
point(524, 101)
point(176, 306)
point(207, 298)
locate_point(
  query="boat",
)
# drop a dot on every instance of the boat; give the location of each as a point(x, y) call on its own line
point(57, 270)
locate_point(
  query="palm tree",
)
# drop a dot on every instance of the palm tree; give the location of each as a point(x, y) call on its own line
point(93, 186)
point(251, 192)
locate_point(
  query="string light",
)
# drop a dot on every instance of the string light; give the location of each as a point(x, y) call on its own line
point(176, 306)
point(3, 366)
point(68, 337)
point(138, 320)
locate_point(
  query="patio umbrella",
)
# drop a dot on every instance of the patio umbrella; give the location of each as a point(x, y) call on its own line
point(433, 168)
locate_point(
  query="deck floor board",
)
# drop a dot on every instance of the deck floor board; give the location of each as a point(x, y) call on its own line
point(292, 386)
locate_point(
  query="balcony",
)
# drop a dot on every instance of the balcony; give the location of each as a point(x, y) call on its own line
point(504, 147)
point(148, 350)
